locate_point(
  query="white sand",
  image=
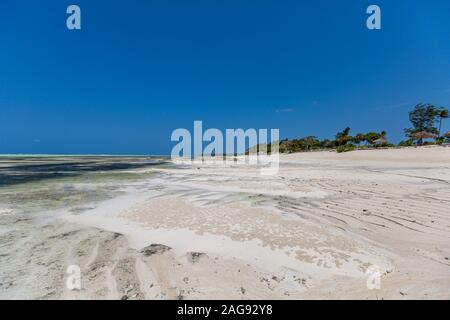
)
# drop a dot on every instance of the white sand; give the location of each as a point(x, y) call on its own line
point(312, 231)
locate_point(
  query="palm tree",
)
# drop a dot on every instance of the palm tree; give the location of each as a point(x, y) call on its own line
point(343, 137)
point(443, 114)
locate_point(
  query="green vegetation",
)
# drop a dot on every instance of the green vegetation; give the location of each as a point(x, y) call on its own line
point(345, 148)
point(406, 143)
point(426, 120)
point(343, 142)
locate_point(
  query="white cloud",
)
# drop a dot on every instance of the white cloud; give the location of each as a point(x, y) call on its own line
point(284, 110)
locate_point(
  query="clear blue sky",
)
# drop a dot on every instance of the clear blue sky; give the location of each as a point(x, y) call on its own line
point(139, 69)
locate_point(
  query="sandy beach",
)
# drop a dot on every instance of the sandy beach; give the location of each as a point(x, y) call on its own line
point(316, 230)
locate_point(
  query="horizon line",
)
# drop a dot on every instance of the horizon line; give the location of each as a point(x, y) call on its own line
point(79, 155)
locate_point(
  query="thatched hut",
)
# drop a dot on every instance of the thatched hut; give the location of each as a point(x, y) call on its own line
point(380, 141)
point(420, 135)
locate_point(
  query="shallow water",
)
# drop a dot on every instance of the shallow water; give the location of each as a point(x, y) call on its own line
point(32, 183)
point(34, 192)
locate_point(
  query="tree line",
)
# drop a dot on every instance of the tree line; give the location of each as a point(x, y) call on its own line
point(426, 121)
